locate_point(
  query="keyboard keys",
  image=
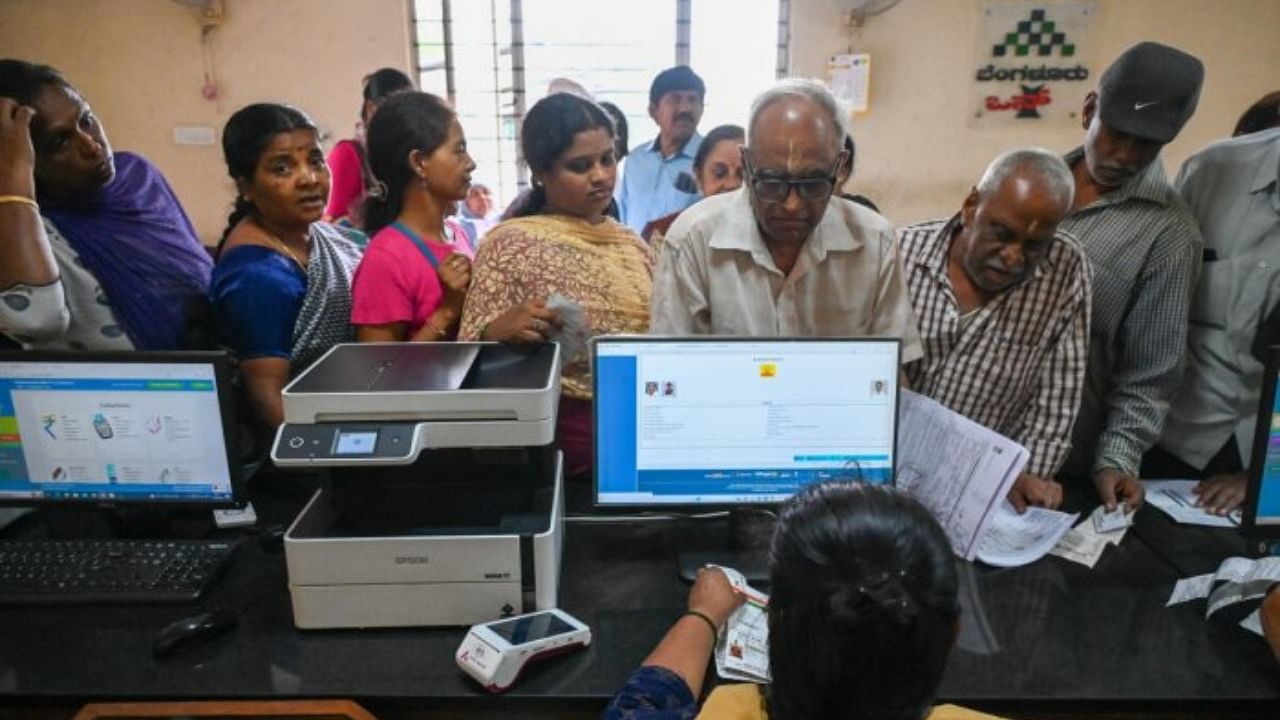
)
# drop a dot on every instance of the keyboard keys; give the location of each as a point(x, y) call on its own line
point(106, 571)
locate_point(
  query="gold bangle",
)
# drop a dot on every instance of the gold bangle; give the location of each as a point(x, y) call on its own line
point(21, 199)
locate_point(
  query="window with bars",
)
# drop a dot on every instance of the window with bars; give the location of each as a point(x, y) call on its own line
point(494, 58)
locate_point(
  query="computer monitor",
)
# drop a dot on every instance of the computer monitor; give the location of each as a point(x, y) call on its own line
point(117, 429)
point(715, 422)
point(1262, 493)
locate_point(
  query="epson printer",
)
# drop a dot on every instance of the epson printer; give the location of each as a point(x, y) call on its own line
point(444, 504)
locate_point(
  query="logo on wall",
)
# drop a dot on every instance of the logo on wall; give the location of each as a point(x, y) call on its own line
point(1037, 33)
point(1028, 60)
point(1026, 104)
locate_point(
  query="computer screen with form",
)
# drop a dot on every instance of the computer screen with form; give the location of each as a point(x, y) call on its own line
point(732, 422)
point(115, 430)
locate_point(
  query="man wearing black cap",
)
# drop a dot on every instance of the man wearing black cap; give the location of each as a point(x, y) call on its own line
point(658, 177)
point(1145, 248)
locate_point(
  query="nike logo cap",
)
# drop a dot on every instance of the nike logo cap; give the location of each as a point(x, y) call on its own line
point(1150, 91)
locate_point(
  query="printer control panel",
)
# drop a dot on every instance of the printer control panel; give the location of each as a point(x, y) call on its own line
point(345, 441)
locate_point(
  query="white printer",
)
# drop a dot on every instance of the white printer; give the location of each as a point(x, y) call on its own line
point(444, 503)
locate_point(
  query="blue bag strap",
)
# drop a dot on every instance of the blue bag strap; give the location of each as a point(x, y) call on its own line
point(422, 246)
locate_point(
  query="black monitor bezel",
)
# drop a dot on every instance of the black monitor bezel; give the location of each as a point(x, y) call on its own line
point(699, 508)
point(221, 363)
point(1258, 453)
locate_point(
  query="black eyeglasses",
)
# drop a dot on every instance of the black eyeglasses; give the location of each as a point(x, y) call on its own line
point(776, 190)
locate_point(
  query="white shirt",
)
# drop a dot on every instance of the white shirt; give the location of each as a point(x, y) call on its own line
point(716, 277)
point(1233, 188)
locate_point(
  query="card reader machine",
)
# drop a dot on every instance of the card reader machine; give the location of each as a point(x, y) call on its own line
point(444, 502)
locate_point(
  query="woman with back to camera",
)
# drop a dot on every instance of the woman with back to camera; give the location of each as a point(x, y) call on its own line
point(348, 161)
point(414, 276)
point(717, 168)
point(560, 241)
point(862, 617)
point(281, 289)
point(96, 252)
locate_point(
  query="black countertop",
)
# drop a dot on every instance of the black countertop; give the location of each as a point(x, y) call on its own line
point(1052, 635)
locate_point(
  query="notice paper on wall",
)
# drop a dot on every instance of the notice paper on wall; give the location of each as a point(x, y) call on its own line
point(849, 77)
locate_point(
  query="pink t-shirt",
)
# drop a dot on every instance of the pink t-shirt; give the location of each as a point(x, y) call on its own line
point(346, 184)
point(395, 282)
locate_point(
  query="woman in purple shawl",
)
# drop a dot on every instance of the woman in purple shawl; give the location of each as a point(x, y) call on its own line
point(107, 259)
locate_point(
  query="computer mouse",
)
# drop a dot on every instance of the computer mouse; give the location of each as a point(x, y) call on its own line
point(187, 631)
point(272, 538)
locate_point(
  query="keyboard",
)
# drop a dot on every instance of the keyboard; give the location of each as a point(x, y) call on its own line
point(71, 572)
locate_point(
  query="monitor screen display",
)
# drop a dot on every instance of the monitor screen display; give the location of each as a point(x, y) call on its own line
point(1268, 459)
point(73, 429)
point(714, 421)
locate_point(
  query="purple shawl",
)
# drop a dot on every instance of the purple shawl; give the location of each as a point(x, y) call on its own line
point(139, 244)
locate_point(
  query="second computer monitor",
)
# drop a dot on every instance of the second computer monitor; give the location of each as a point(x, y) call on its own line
point(730, 422)
point(1262, 495)
point(117, 429)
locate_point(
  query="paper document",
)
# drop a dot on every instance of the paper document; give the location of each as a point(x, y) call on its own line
point(1085, 542)
point(1014, 539)
point(1080, 546)
point(1253, 623)
point(572, 333)
point(958, 469)
point(1251, 586)
point(742, 650)
point(1192, 588)
point(1175, 499)
point(1237, 580)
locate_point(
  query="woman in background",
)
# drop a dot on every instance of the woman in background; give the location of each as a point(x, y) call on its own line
point(561, 242)
point(414, 276)
point(347, 161)
point(862, 617)
point(281, 289)
point(96, 253)
point(717, 168)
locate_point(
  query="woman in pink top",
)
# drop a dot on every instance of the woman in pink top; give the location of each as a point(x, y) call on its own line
point(414, 276)
point(347, 165)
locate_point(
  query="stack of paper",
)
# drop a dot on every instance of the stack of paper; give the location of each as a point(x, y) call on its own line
point(958, 469)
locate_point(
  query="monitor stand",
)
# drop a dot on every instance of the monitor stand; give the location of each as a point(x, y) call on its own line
point(749, 532)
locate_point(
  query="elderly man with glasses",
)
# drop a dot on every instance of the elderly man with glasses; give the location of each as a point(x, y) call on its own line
point(781, 256)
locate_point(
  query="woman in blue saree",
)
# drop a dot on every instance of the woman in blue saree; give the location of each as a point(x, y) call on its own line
point(96, 253)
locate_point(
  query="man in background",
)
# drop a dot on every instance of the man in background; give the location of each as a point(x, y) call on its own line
point(657, 179)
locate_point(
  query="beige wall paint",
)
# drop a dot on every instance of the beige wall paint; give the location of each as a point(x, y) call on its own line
point(916, 155)
point(139, 62)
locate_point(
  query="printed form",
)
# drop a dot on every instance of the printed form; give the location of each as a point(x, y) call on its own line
point(958, 469)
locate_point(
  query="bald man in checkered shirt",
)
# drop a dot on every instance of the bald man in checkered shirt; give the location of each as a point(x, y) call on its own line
point(1002, 299)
